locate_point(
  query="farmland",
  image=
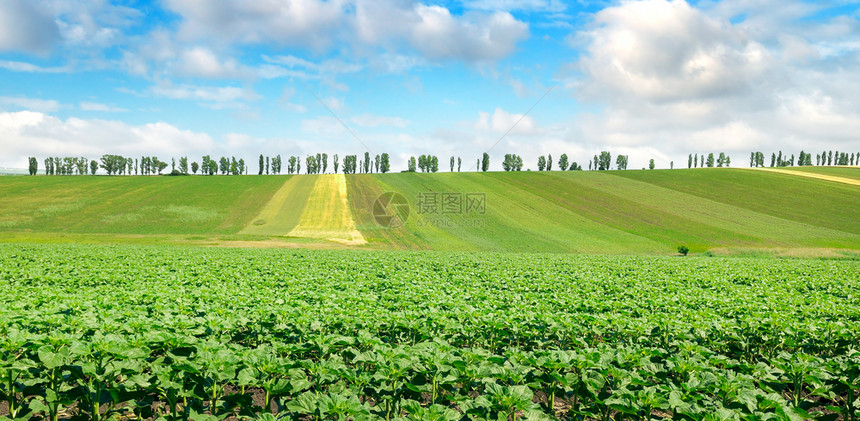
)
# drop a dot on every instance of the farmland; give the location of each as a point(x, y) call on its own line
point(194, 333)
point(607, 212)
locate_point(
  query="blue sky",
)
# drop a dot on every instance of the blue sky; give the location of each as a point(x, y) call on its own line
point(653, 79)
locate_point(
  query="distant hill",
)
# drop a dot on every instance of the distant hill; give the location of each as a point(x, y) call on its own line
point(614, 212)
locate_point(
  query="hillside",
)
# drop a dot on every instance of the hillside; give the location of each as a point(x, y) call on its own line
point(615, 212)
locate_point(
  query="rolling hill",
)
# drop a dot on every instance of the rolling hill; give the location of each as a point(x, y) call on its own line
point(615, 212)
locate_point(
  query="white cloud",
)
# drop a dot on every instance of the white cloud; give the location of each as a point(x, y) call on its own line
point(431, 30)
point(436, 33)
point(669, 74)
point(502, 122)
point(510, 5)
point(659, 50)
point(333, 103)
point(90, 24)
point(324, 126)
point(30, 104)
point(286, 101)
point(28, 133)
point(297, 67)
point(215, 94)
point(202, 62)
point(84, 26)
point(27, 26)
point(95, 106)
point(291, 61)
point(19, 66)
point(294, 22)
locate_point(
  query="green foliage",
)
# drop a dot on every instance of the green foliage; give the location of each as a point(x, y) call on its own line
point(350, 164)
point(113, 164)
point(428, 163)
point(512, 162)
point(384, 163)
point(33, 165)
point(191, 334)
point(603, 161)
point(683, 250)
point(485, 162)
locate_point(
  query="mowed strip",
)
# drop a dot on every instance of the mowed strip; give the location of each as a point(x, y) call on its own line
point(284, 210)
point(327, 214)
point(851, 181)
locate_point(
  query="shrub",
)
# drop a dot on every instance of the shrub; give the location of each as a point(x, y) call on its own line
point(683, 250)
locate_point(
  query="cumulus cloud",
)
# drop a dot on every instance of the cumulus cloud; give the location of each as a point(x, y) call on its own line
point(662, 51)
point(29, 133)
point(436, 33)
point(431, 30)
point(40, 27)
point(293, 22)
point(27, 26)
point(669, 74)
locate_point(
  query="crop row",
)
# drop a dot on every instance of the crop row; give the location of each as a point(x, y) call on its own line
point(100, 332)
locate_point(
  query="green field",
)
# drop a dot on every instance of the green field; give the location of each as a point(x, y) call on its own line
point(616, 212)
point(133, 205)
point(178, 333)
point(846, 172)
point(457, 315)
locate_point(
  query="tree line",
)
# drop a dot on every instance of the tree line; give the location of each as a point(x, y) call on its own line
point(697, 161)
point(366, 164)
point(151, 165)
point(825, 158)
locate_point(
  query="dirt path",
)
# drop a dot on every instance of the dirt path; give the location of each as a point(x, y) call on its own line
point(844, 180)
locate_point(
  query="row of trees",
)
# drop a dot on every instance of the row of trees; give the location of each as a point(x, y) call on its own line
point(112, 164)
point(351, 164)
point(696, 161)
point(314, 164)
point(805, 159)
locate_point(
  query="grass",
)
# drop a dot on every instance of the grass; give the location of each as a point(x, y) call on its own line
point(284, 211)
point(815, 203)
point(844, 172)
point(516, 219)
point(133, 205)
point(327, 214)
point(602, 212)
point(730, 211)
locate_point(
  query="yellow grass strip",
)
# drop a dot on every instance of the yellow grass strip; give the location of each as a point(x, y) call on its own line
point(327, 214)
point(844, 180)
point(284, 210)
